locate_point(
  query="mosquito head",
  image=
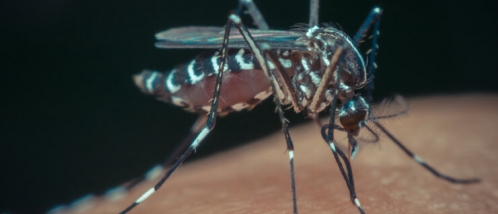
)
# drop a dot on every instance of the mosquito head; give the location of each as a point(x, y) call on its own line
point(353, 114)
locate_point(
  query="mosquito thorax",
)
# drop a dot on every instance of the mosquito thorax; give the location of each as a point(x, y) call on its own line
point(326, 41)
point(353, 114)
point(309, 66)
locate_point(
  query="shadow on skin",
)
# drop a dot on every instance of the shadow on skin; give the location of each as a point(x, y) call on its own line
point(456, 134)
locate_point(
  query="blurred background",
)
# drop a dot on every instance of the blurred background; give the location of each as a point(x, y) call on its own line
point(73, 122)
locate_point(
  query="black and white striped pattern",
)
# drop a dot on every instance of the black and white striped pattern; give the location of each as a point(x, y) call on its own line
point(307, 69)
point(207, 64)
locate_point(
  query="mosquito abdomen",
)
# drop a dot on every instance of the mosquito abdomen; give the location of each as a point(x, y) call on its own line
point(191, 85)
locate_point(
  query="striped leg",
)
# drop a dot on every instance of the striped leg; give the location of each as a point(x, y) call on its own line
point(346, 159)
point(262, 60)
point(283, 76)
point(205, 130)
point(343, 156)
point(326, 78)
point(372, 18)
point(339, 57)
point(422, 162)
point(194, 131)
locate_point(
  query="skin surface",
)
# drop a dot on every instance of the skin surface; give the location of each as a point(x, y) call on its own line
point(455, 134)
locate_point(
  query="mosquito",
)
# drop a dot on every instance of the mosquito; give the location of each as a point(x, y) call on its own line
point(309, 69)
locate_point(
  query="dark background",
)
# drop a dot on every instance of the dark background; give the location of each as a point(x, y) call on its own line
point(73, 122)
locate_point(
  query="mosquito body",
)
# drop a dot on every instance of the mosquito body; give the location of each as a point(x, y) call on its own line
point(245, 84)
point(309, 69)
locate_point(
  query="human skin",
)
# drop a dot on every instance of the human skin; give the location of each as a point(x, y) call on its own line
point(455, 134)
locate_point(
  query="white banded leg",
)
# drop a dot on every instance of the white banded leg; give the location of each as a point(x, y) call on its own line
point(326, 78)
point(204, 131)
point(422, 162)
point(349, 176)
point(194, 131)
point(329, 137)
point(262, 60)
point(372, 18)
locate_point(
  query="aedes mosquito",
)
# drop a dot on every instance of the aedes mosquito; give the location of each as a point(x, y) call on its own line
point(309, 69)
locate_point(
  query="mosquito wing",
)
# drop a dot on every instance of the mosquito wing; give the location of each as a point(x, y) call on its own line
point(212, 38)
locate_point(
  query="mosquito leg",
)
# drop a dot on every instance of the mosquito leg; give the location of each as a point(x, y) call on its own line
point(279, 69)
point(341, 153)
point(324, 82)
point(314, 13)
point(353, 146)
point(335, 61)
point(290, 148)
point(422, 162)
point(373, 17)
point(258, 53)
point(372, 66)
point(326, 78)
point(349, 177)
point(204, 131)
point(194, 131)
point(330, 134)
point(285, 82)
point(256, 15)
point(196, 128)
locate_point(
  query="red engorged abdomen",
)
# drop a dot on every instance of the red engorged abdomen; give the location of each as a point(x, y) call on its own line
point(237, 87)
